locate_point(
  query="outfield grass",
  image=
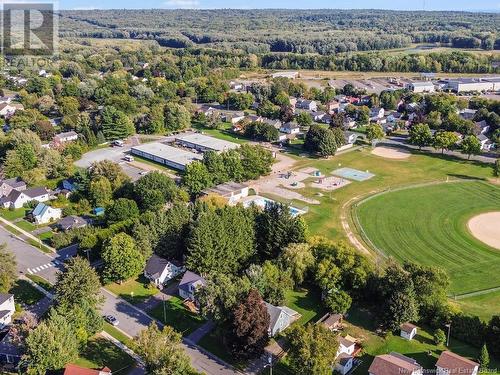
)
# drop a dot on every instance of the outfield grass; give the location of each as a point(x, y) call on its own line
point(99, 353)
point(134, 290)
point(173, 313)
point(484, 305)
point(428, 225)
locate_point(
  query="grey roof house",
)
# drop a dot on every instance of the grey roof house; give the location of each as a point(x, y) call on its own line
point(16, 183)
point(159, 270)
point(188, 285)
point(280, 318)
point(71, 222)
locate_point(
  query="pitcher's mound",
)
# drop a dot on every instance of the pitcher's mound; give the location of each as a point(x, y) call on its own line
point(391, 153)
point(485, 228)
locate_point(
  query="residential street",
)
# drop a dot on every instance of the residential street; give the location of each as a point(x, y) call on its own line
point(132, 320)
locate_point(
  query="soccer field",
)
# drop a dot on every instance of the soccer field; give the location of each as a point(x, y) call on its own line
point(428, 225)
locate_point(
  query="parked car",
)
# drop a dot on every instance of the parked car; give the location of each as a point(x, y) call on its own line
point(129, 158)
point(111, 320)
point(118, 143)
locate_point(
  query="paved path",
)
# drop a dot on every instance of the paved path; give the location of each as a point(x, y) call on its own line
point(198, 334)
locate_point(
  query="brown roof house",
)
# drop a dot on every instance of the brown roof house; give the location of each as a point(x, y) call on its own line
point(331, 321)
point(450, 363)
point(408, 331)
point(394, 364)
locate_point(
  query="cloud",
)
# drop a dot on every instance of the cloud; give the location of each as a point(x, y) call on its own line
point(182, 4)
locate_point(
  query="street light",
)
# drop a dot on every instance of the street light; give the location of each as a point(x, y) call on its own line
point(270, 363)
point(448, 337)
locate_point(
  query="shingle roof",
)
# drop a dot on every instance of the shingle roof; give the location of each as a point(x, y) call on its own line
point(40, 209)
point(455, 363)
point(77, 370)
point(14, 182)
point(69, 222)
point(344, 358)
point(408, 327)
point(393, 364)
point(5, 297)
point(35, 192)
point(190, 278)
point(346, 342)
point(155, 265)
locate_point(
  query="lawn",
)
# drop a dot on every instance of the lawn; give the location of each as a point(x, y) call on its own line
point(13, 214)
point(117, 334)
point(25, 293)
point(45, 236)
point(173, 313)
point(100, 352)
point(307, 302)
point(484, 305)
point(224, 133)
point(41, 282)
point(133, 290)
point(428, 225)
point(360, 324)
point(213, 343)
point(26, 225)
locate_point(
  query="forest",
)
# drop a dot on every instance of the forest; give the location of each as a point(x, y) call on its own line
point(323, 32)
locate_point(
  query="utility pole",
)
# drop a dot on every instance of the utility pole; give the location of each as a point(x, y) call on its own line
point(448, 337)
point(164, 310)
point(270, 361)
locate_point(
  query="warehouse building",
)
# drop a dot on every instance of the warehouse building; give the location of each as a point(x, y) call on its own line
point(420, 86)
point(204, 143)
point(172, 157)
point(470, 85)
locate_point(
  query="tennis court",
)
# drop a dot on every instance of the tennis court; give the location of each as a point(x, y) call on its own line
point(353, 174)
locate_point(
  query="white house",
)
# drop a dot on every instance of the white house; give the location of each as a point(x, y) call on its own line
point(377, 113)
point(483, 127)
point(344, 363)
point(408, 331)
point(486, 144)
point(16, 199)
point(280, 318)
point(6, 186)
point(290, 128)
point(188, 285)
point(8, 109)
point(159, 270)
point(310, 105)
point(394, 364)
point(350, 137)
point(467, 113)
point(7, 309)
point(231, 191)
point(65, 137)
point(43, 214)
point(347, 345)
point(450, 363)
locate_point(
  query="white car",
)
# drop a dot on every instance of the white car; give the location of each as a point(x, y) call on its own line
point(111, 320)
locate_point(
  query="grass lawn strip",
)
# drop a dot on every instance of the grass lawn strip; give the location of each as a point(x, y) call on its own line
point(25, 293)
point(99, 353)
point(133, 290)
point(41, 282)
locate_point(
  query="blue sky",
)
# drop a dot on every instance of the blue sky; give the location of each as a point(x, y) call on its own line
point(490, 5)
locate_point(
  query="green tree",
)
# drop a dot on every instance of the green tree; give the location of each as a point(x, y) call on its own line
point(116, 124)
point(420, 135)
point(277, 228)
point(239, 101)
point(338, 301)
point(155, 189)
point(100, 192)
point(271, 281)
point(299, 259)
point(122, 259)
point(484, 357)
point(304, 119)
point(162, 351)
point(8, 269)
point(214, 163)
point(439, 337)
point(177, 117)
point(121, 209)
point(78, 283)
point(320, 140)
point(496, 168)
point(374, 132)
point(196, 178)
point(256, 161)
point(312, 349)
point(50, 346)
point(445, 140)
point(470, 146)
point(249, 326)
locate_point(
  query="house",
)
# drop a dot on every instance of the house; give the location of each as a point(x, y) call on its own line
point(237, 86)
point(310, 105)
point(234, 118)
point(408, 331)
point(231, 191)
point(16, 183)
point(10, 351)
point(350, 137)
point(71, 222)
point(349, 122)
point(482, 127)
point(5, 99)
point(280, 318)
point(394, 364)
point(467, 113)
point(159, 270)
point(485, 142)
point(254, 118)
point(7, 309)
point(16, 199)
point(188, 285)
point(8, 109)
point(332, 106)
point(43, 214)
point(71, 369)
point(293, 102)
point(318, 116)
point(274, 123)
point(344, 363)
point(347, 345)
point(290, 128)
point(376, 113)
point(65, 137)
point(450, 363)
point(332, 321)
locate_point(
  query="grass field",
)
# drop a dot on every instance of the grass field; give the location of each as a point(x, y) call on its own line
point(484, 305)
point(428, 225)
point(134, 290)
point(99, 353)
point(177, 316)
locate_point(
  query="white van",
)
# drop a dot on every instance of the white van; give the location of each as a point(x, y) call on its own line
point(118, 143)
point(129, 158)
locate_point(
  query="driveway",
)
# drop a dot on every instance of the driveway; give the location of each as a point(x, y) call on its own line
point(115, 154)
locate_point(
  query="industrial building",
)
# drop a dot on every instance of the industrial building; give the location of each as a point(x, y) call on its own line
point(421, 86)
point(170, 156)
point(204, 143)
point(471, 84)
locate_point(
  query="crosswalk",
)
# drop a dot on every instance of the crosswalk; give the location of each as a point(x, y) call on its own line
point(34, 270)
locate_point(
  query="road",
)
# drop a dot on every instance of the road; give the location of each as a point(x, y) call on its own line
point(132, 320)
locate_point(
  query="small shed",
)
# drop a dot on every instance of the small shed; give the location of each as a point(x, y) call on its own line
point(98, 211)
point(408, 331)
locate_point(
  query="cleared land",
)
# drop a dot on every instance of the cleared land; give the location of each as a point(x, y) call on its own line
point(391, 153)
point(486, 228)
point(428, 225)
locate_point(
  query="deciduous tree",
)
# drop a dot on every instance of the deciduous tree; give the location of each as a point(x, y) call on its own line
point(122, 259)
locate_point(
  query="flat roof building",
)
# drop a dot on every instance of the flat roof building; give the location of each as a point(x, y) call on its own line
point(170, 156)
point(204, 143)
point(470, 84)
point(426, 86)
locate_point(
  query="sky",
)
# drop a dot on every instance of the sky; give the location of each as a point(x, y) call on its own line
point(466, 5)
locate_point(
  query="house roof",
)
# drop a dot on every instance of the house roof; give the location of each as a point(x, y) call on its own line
point(77, 370)
point(275, 312)
point(346, 342)
point(330, 320)
point(66, 134)
point(482, 137)
point(5, 297)
point(72, 221)
point(456, 363)
point(290, 125)
point(393, 364)
point(225, 190)
point(155, 265)
point(14, 182)
point(344, 358)
point(190, 278)
point(408, 327)
point(35, 192)
point(13, 195)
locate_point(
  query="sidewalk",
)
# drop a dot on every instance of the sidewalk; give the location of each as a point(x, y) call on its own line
point(26, 234)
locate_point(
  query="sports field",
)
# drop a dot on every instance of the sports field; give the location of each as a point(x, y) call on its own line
point(428, 225)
